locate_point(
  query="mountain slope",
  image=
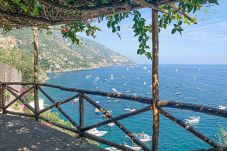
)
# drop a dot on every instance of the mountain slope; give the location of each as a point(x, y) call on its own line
point(59, 54)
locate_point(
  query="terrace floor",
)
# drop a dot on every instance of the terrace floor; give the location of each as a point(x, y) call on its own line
point(23, 134)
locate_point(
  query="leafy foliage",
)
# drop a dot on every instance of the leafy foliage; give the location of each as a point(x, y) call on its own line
point(175, 14)
point(222, 136)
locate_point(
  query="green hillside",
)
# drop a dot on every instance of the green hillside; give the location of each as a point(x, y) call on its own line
point(59, 54)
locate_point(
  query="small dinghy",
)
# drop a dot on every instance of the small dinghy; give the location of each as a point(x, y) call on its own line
point(96, 132)
point(192, 120)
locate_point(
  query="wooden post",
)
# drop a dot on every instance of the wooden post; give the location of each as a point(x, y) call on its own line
point(36, 71)
point(1, 96)
point(155, 81)
point(81, 101)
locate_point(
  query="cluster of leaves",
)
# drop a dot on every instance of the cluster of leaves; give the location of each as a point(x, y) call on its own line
point(71, 30)
point(143, 30)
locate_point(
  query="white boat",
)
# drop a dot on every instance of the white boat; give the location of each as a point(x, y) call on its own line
point(221, 107)
point(142, 137)
point(132, 110)
point(96, 132)
point(127, 109)
point(88, 76)
point(178, 93)
point(97, 102)
point(137, 148)
point(110, 124)
point(112, 149)
point(192, 120)
point(97, 110)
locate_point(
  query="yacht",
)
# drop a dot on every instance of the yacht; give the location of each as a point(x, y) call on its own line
point(221, 107)
point(96, 132)
point(142, 137)
point(192, 120)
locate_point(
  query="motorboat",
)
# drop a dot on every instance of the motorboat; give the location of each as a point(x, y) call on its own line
point(221, 107)
point(137, 148)
point(178, 93)
point(96, 132)
point(131, 110)
point(97, 110)
point(110, 124)
point(192, 120)
point(142, 137)
point(112, 149)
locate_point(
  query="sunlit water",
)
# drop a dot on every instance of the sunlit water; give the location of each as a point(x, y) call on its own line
point(199, 84)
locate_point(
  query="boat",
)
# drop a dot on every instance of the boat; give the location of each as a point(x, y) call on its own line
point(127, 109)
point(221, 107)
point(110, 124)
point(96, 132)
point(192, 120)
point(131, 110)
point(88, 76)
point(97, 110)
point(97, 102)
point(112, 149)
point(178, 93)
point(116, 100)
point(75, 101)
point(142, 137)
point(137, 148)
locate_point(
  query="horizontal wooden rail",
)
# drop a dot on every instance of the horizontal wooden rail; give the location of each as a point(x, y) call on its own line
point(193, 107)
point(20, 114)
point(190, 129)
point(122, 127)
point(81, 131)
point(106, 94)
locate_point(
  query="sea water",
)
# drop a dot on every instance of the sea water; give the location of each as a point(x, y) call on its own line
point(198, 84)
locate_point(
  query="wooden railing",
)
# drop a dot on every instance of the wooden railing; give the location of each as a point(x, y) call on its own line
point(83, 95)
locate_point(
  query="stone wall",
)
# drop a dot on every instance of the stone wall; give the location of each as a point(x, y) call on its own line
point(10, 74)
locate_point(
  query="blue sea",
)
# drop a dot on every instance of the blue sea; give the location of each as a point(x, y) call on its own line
point(199, 84)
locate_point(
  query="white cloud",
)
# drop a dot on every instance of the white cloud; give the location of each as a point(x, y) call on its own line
point(215, 31)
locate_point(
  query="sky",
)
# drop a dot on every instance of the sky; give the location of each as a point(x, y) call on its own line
point(203, 43)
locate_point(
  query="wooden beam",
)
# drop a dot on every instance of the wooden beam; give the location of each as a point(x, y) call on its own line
point(81, 103)
point(120, 117)
point(36, 71)
point(193, 107)
point(68, 117)
point(155, 80)
point(139, 99)
point(122, 127)
point(190, 129)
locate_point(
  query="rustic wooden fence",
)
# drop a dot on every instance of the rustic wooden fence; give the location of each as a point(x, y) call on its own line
point(83, 95)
